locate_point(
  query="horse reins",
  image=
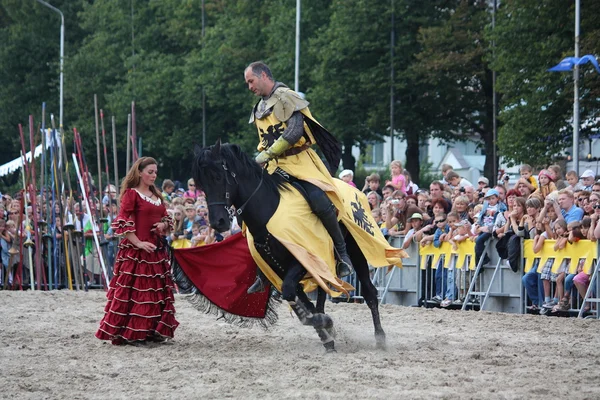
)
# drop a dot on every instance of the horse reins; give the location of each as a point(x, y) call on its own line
point(228, 205)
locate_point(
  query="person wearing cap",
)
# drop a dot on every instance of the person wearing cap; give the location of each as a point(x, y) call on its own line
point(483, 182)
point(347, 175)
point(415, 233)
point(587, 179)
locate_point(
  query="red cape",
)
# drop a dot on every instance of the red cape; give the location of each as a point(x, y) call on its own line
point(223, 272)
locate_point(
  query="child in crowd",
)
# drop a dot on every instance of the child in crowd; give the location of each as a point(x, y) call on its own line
point(414, 234)
point(430, 227)
point(560, 234)
point(376, 214)
point(460, 233)
point(587, 179)
point(177, 238)
point(564, 280)
point(411, 187)
point(490, 211)
point(449, 293)
point(372, 183)
point(4, 246)
point(199, 234)
point(527, 178)
point(441, 274)
point(557, 173)
point(474, 214)
point(573, 181)
point(347, 176)
point(190, 218)
point(167, 188)
point(398, 180)
point(547, 185)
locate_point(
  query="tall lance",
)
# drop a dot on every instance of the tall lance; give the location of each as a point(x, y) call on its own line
point(57, 195)
point(25, 171)
point(45, 222)
point(92, 207)
point(116, 164)
point(68, 226)
point(85, 198)
point(128, 144)
point(133, 133)
point(98, 156)
point(80, 237)
point(102, 219)
point(41, 274)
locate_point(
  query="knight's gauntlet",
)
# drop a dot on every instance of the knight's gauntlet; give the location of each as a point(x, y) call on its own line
point(276, 149)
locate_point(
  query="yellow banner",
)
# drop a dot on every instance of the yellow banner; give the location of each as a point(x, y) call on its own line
point(585, 249)
point(464, 249)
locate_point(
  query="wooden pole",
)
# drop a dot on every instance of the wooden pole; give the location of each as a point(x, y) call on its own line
point(116, 164)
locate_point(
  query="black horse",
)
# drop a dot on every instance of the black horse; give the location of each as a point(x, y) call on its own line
point(230, 178)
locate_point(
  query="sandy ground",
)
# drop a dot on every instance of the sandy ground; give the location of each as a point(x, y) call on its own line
point(48, 351)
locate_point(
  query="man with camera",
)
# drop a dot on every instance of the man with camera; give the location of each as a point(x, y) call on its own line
point(398, 213)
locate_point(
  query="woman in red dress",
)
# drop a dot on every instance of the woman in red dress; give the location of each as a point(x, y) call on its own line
point(140, 298)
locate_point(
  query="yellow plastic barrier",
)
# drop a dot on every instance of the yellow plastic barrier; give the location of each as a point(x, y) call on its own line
point(465, 248)
point(585, 249)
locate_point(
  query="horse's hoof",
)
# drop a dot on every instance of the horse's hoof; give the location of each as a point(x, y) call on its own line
point(330, 347)
point(380, 343)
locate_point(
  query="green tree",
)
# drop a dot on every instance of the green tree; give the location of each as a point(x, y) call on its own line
point(536, 107)
point(351, 73)
point(30, 37)
point(453, 66)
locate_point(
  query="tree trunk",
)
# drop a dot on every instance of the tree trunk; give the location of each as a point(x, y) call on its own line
point(413, 163)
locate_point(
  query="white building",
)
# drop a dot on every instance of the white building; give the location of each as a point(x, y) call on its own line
point(465, 157)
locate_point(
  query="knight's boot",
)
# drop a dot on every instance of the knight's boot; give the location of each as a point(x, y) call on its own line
point(258, 286)
point(344, 265)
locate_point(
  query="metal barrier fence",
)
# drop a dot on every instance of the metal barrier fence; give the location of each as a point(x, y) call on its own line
point(492, 286)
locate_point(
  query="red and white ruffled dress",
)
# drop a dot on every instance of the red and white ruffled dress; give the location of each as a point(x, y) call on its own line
point(140, 296)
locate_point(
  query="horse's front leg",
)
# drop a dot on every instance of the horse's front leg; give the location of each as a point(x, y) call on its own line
point(303, 307)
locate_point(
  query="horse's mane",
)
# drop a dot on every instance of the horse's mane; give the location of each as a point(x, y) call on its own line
point(238, 162)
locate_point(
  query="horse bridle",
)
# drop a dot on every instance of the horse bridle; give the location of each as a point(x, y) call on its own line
point(228, 204)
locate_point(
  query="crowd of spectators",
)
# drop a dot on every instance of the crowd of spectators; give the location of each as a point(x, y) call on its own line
point(545, 206)
point(187, 207)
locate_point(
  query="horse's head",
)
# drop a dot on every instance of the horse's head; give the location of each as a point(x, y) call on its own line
point(211, 174)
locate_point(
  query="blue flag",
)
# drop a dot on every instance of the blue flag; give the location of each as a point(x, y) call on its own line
point(568, 63)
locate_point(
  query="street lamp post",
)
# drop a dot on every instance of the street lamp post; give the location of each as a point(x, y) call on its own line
point(576, 92)
point(297, 62)
point(62, 55)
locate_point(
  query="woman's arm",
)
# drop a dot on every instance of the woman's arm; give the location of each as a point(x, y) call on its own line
point(147, 246)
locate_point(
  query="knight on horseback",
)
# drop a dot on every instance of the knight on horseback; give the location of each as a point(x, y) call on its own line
point(286, 131)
